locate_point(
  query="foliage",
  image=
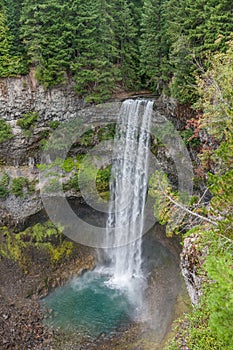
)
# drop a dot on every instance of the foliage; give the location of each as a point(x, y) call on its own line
point(5, 131)
point(68, 165)
point(98, 46)
point(102, 179)
point(219, 296)
point(194, 30)
point(12, 247)
point(178, 211)
point(13, 11)
point(215, 87)
point(87, 139)
point(19, 185)
point(3, 191)
point(93, 68)
point(154, 46)
point(48, 37)
point(53, 185)
point(73, 183)
point(61, 251)
point(189, 138)
point(159, 44)
point(193, 332)
point(106, 132)
point(28, 120)
point(5, 179)
point(126, 28)
point(41, 237)
point(210, 325)
point(96, 135)
point(54, 124)
point(10, 63)
point(4, 182)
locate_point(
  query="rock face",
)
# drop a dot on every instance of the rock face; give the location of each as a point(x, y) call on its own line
point(24, 95)
point(191, 260)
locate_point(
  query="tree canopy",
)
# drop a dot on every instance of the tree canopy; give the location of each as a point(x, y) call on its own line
point(103, 45)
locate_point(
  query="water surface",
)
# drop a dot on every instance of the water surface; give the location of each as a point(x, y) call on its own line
point(89, 306)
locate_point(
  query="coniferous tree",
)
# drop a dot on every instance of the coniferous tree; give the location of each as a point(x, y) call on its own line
point(153, 45)
point(13, 12)
point(194, 30)
point(126, 36)
point(10, 64)
point(93, 67)
point(47, 35)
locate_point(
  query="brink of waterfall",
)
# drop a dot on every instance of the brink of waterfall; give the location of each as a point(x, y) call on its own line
point(128, 191)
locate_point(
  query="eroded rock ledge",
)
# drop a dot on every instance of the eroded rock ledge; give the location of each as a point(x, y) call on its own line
point(191, 260)
point(24, 95)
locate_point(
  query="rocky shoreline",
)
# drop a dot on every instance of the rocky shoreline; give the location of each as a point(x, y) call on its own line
point(21, 325)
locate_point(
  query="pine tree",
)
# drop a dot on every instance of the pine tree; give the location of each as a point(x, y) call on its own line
point(9, 64)
point(47, 33)
point(153, 46)
point(13, 11)
point(126, 36)
point(194, 30)
point(93, 67)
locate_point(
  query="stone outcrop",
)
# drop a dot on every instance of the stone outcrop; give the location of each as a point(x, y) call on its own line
point(20, 95)
point(191, 260)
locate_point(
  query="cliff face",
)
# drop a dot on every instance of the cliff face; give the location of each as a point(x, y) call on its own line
point(22, 95)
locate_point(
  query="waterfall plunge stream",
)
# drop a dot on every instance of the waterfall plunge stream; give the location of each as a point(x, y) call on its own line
point(128, 189)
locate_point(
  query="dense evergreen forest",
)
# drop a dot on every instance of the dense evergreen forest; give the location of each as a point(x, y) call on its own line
point(179, 48)
point(157, 44)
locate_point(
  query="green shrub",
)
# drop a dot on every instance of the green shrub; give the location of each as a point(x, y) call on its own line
point(87, 139)
point(193, 332)
point(189, 138)
point(209, 326)
point(219, 296)
point(63, 250)
point(68, 165)
point(5, 131)
point(5, 179)
point(3, 191)
point(4, 182)
point(12, 247)
point(54, 124)
point(106, 132)
point(73, 183)
point(103, 178)
point(28, 120)
point(46, 237)
point(18, 185)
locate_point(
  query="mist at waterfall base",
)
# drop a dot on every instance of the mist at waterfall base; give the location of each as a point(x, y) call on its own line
point(89, 306)
point(111, 296)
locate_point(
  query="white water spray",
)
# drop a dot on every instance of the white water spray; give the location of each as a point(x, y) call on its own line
point(128, 187)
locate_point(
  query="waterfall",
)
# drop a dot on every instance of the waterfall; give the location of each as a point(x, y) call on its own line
point(128, 190)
